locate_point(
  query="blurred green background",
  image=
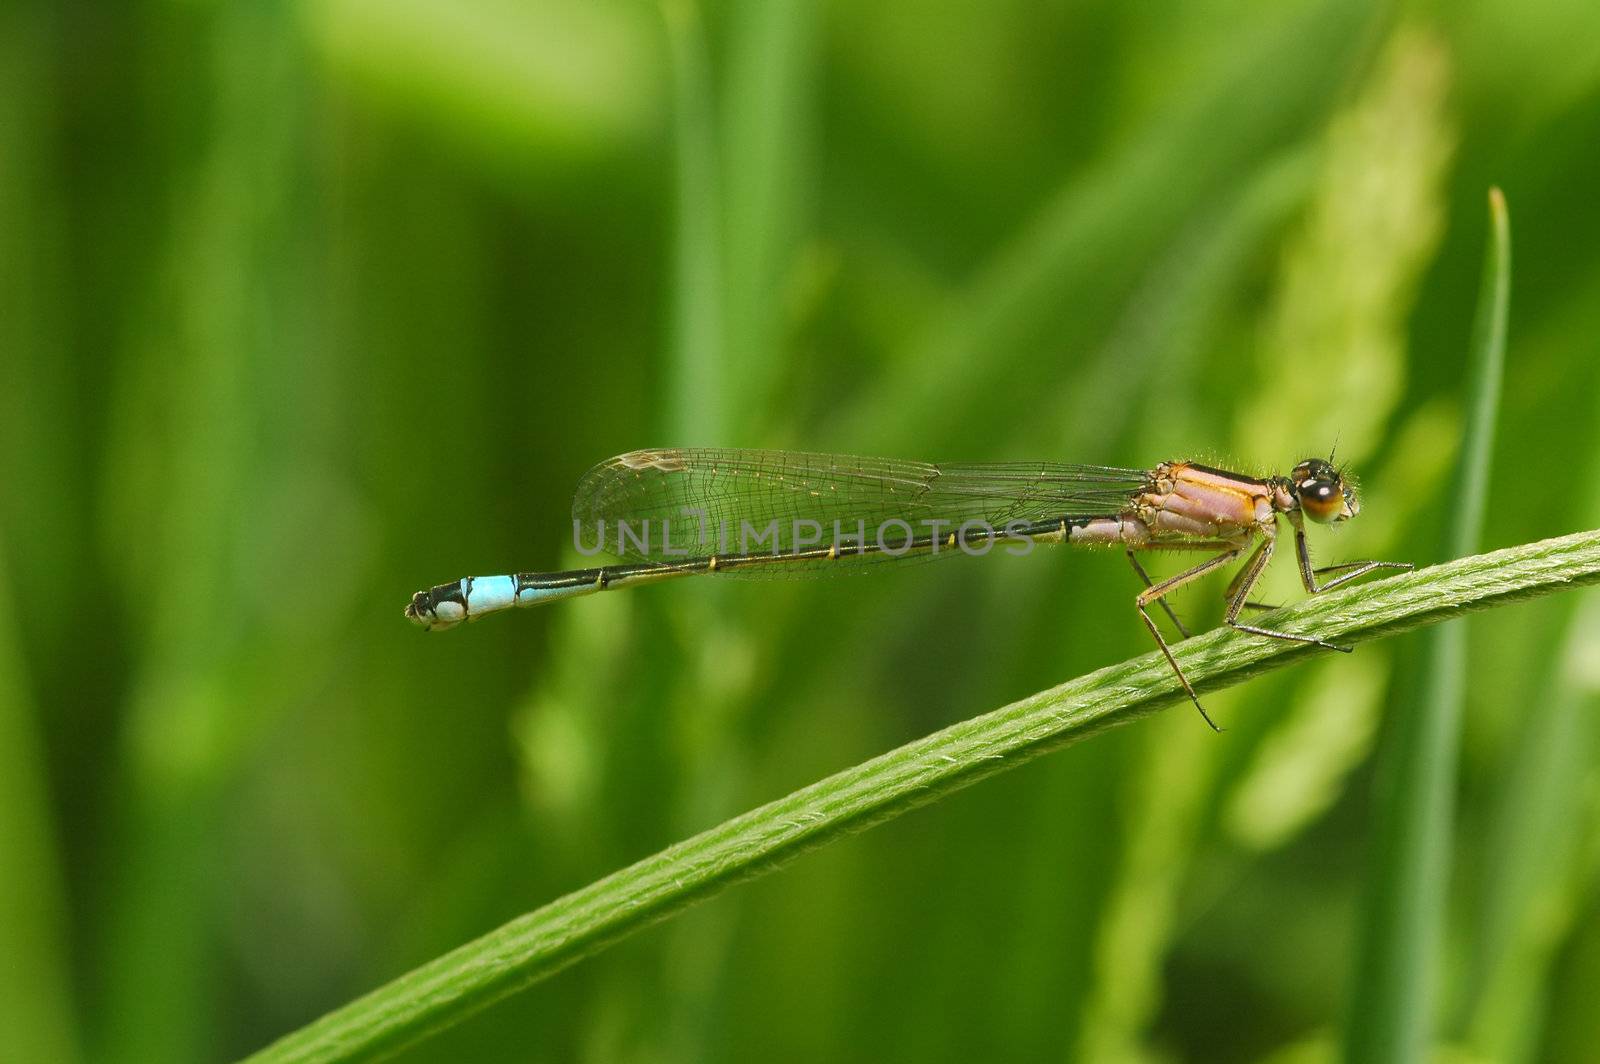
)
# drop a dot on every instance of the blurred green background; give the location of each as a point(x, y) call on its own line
point(305, 306)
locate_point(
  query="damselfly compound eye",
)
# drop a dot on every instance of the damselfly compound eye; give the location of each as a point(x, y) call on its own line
point(1322, 500)
point(1320, 489)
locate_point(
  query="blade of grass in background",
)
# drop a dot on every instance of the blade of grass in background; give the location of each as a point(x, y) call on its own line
point(533, 947)
point(35, 989)
point(1393, 1009)
point(39, 467)
point(42, 457)
point(1535, 871)
point(696, 353)
point(766, 177)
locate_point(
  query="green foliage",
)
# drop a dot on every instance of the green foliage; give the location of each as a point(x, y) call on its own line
point(1396, 978)
point(305, 306)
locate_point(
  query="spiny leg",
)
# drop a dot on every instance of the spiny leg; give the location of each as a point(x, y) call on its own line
point(1343, 566)
point(1134, 561)
point(1308, 575)
point(1356, 569)
point(1233, 585)
point(1156, 592)
point(1240, 593)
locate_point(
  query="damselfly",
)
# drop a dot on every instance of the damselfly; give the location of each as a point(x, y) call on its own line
point(749, 513)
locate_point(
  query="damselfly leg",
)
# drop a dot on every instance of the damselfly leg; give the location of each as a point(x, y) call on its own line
point(1350, 570)
point(1158, 593)
point(1239, 595)
point(1172, 615)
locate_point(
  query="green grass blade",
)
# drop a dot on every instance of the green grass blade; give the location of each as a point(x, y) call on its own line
point(766, 108)
point(1471, 489)
point(39, 463)
point(36, 1004)
point(1392, 1013)
point(532, 947)
point(1532, 873)
point(696, 355)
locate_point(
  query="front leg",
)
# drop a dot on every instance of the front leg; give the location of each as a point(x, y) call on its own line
point(1349, 570)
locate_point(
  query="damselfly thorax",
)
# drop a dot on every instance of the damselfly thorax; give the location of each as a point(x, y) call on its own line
point(1183, 504)
point(760, 514)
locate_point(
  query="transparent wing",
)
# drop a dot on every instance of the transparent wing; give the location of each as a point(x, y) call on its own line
point(660, 505)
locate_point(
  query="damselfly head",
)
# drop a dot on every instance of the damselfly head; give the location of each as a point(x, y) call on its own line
point(1324, 495)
